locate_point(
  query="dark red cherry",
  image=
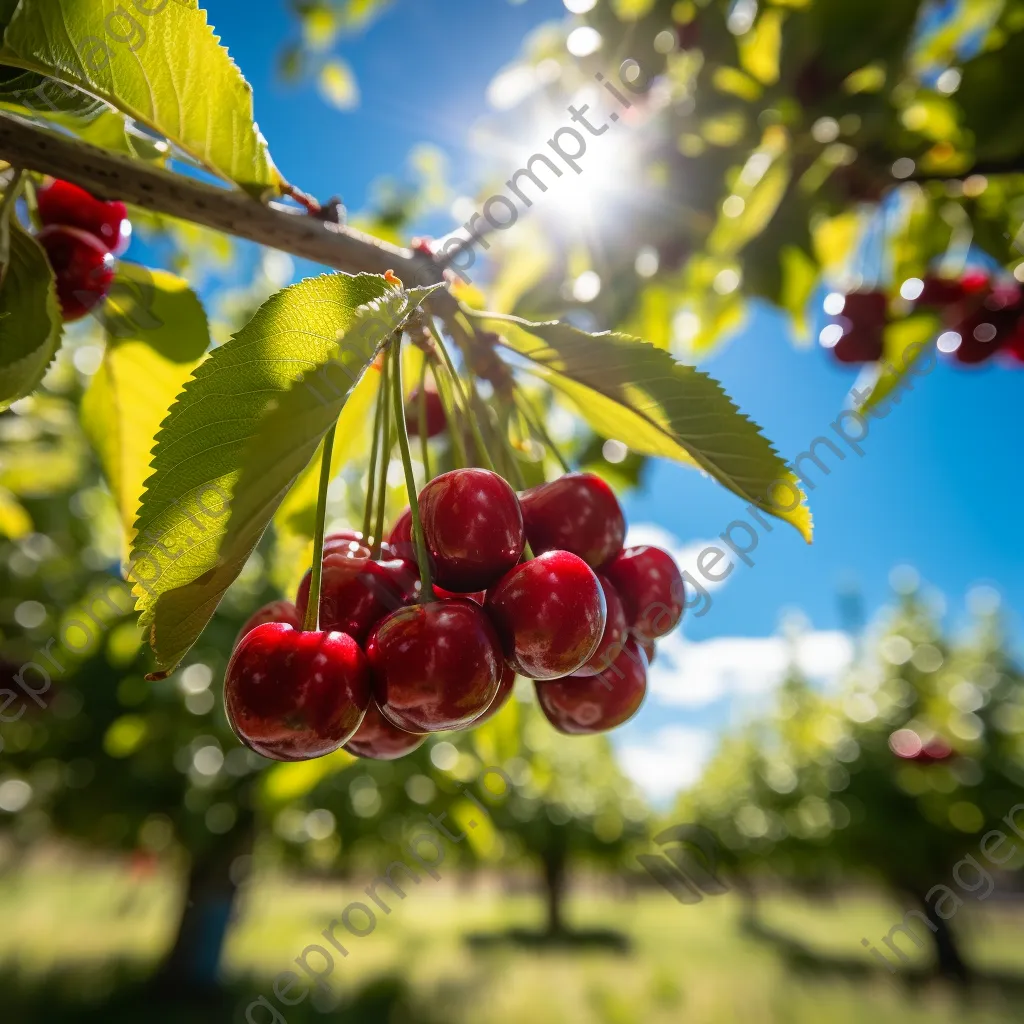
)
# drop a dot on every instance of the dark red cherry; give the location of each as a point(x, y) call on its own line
point(83, 266)
point(435, 666)
point(577, 512)
point(276, 611)
point(859, 346)
point(502, 697)
point(651, 588)
point(379, 739)
point(291, 695)
point(400, 537)
point(473, 528)
point(67, 205)
point(982, 334)
point(357, 592)
point(436, 419)
point(942, 291)
point(615, 632)
point(550, 614)
point(580, 705)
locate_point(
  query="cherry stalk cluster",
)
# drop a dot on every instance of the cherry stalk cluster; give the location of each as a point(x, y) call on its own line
point(389, 640)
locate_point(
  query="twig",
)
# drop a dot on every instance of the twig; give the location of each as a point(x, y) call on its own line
point(112, 176)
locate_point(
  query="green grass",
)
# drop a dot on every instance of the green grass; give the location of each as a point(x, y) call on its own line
point(690, 963)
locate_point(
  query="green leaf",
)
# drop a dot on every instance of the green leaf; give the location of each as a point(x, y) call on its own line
point(638, 394)
point(161, 64)
point(906, 341)
point(30, 318)
point(196, 528)
point(156, 334)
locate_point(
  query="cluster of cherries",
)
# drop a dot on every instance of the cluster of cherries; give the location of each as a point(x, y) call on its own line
point(981, 317)
point(81, 236)
point(536, 584)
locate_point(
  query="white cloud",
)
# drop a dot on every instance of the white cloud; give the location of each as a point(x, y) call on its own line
point(690, 673)
point(667, 761)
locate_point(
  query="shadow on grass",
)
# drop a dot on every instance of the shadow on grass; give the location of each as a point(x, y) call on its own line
point(525, 938)
point(803, 959)
point(117, 993)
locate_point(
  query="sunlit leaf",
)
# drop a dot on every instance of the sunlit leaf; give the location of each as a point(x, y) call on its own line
point(160, 64)
point(338, 85)
point(30, 318)
point(760, 47)
point(907, 343)
point(638, 394)
point(156, 334)
point(181, 564)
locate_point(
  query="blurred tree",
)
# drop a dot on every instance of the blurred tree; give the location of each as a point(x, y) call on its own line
point(894, 779)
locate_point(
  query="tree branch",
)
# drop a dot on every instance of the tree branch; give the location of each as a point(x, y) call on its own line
point(112, 176)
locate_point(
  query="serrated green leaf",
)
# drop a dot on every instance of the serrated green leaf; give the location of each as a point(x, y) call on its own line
point(30, 318)
point(160, 64)
point(156, 334)
point(629, 390)
point(182, 562)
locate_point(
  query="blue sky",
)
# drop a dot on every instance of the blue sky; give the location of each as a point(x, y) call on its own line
point(939, 483)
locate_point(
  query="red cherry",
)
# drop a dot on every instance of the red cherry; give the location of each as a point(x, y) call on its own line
point(502, 697)
point(276, 611)
point(615, 632)
point(83, 267)
point(651, 588)
point(357, 592)
point(942, 291)
point(866, 346)
point(291, 695)
point(477, 597)
point(379, 739)
point(436, 419)
point(400, 537)
point(550, 614)
point(435, 666)
point(67, 205)
point(982, 335)
point(580, 705)
point(473, 528)
point(577, 512)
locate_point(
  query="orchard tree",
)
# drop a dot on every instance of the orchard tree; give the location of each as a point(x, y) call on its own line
point(768, 151)
point(893, 780)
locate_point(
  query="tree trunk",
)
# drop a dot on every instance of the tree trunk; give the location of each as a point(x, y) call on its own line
point(554, 889)
point(949, 963)
point(193, 962)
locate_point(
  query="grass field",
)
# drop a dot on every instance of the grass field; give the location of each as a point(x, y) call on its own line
point(692, 963)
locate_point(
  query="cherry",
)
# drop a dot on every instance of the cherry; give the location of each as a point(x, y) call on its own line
point(477, 596)
point(357, 592)
point(379, 739)
point(83, 266)
point(436, 419)
point(502, 697)
point(946, 291)
point(473, 528)
point(550, 614)
point(651, 588)
point(982, 335)
point(436, 666)
point(276, 611)
point(400, 537)
point(577, 512)
point(859, 347)
point(580, 705)
point(291, 695)
point(61, 203)
point(862, 321)
point(615, 631)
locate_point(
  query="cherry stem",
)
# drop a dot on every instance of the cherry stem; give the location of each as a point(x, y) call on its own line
point(371, 478)
point(418, 539)
point(448, 404)
point(537, 426)
point(312, 618)
point(422, 423)
point(474, 427)
point(385, 456)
